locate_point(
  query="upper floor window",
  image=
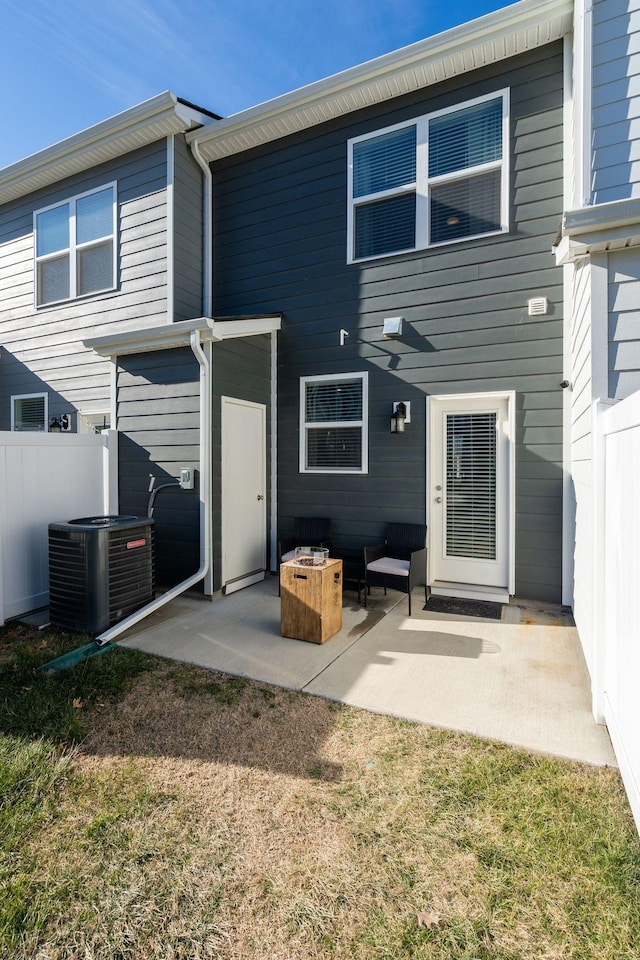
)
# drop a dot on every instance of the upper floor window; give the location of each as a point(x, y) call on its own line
point(333, 423)
point(75, 246)
point(29, 412)
point(439, 178)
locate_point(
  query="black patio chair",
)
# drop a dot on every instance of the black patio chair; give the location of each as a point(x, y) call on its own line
point(400, 562)
point(308, 532)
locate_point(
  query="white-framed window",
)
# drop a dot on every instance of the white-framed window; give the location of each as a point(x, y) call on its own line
point(436, 179)
point(333, 423)
point(75, 243)
point(29, 412)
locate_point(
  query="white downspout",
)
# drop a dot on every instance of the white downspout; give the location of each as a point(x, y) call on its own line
point(205, 504)
point(207, 231)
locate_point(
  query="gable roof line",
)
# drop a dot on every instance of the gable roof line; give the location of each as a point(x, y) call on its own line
point(489, 39)
point(145, 123)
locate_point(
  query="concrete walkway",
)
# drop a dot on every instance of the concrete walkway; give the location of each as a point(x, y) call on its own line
point(521, 680)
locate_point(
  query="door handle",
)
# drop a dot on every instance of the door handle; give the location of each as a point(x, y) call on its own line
point(438, 499)
point(259, 497)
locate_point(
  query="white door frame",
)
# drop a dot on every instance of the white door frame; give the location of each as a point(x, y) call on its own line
point(461, 590)
point(257, 576)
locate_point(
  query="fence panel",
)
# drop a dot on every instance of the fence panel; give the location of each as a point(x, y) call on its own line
point(620, 583)
point(45, 478)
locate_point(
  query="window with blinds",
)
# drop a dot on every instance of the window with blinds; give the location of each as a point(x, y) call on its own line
point(398, 202)
point(75, 246)
point(471, 446)
point(333, 436)
point(29, 413)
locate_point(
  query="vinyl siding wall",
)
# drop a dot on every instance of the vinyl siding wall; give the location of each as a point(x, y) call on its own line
point(42, 348)
point(624, 323)
point(187, 253)
point(158, 403)
point(616, 100)
point(581, 452)
point(280, 245)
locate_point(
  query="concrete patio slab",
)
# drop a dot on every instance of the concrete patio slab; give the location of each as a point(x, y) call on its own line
point(240, 634)
point(521, 679)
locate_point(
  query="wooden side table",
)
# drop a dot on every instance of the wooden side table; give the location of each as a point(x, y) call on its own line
point(311, 600)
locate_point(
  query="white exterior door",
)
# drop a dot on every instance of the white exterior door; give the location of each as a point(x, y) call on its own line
point(470, 491)
point(244, 482)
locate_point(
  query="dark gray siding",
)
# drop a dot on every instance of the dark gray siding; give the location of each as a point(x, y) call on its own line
point(187, 257)
point(158, 421)
point(280, 214)
point(42, 349)
point(241, 369)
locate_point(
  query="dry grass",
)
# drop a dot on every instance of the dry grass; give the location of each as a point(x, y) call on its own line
point(207, 817)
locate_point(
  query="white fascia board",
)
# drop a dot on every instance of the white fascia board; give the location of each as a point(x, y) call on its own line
point(172, 335)
point(602, 216)
point(602, 227)
point(489, 39)
point(145, 340)
point(145, 123)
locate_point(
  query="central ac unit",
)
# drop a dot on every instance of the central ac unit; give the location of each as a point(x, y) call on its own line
point(101, 569)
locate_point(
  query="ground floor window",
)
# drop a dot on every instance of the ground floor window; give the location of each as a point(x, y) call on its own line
point(29, 412)
point(333, 423)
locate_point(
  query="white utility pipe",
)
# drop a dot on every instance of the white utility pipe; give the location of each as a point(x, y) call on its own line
point(205, 504)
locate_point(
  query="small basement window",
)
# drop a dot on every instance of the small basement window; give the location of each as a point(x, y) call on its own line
point(29, 413)
point(333, 424)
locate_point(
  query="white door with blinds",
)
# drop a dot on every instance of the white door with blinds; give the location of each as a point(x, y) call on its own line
point(471, 497)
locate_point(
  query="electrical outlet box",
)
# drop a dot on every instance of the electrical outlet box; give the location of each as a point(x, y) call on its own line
point(186, 478)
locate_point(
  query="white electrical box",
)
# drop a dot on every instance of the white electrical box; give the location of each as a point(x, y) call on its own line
point(186, 478)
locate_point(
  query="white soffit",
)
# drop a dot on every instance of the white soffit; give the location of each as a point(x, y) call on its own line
point(143, 124)
point(513, 30)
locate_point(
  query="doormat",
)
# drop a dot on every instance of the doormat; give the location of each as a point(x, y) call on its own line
point(465, 608)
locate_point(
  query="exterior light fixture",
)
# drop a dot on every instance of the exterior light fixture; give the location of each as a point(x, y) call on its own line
point(392, 328)
point(60, 424)
point(398, 417)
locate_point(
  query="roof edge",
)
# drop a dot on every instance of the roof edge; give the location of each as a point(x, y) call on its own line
point(104, 140)
point(359, 86)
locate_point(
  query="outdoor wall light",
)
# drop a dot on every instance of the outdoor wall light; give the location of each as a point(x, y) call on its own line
point(60, 424)
point(392, 328)
point(398, 417)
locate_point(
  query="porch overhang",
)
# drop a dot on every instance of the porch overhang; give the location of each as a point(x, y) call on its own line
point(600, 228)
point(168, 336)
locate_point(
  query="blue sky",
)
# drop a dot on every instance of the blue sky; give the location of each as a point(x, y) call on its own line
point(67, 64)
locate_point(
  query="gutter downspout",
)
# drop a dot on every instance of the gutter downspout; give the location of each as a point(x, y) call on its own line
point(207, 231)
point(205, 504)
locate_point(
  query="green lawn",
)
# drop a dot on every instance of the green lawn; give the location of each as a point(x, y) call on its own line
point(154, 810)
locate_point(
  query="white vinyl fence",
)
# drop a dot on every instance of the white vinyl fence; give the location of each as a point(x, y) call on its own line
point(46, 478)
point(616, 667)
